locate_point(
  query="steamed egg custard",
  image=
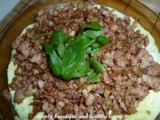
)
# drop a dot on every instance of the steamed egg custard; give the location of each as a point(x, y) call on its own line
point(91, 60)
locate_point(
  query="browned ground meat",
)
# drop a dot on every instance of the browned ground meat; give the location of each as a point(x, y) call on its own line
point(130, 70)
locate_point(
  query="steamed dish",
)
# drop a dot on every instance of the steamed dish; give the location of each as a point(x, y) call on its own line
point(130, 60)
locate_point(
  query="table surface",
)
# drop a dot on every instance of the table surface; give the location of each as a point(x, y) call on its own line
point(6, 6)
point(153, 5)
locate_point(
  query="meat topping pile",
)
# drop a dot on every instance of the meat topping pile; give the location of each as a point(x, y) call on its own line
point(130, 70)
